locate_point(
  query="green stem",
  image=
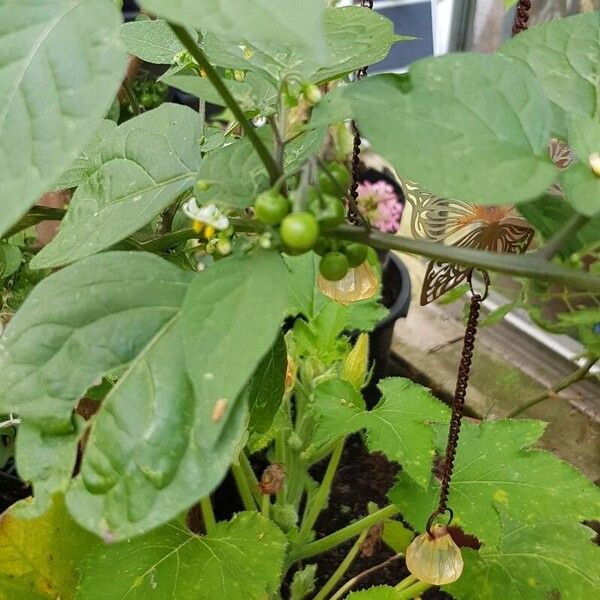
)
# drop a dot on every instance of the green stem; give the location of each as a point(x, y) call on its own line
point(525, 265)
point(342, 535)
point(555, 244)
point(243, 487)
point(280, 458)
point(208, 515)
point(36, 215)
point(186, 39)
point(265, 506)
point(135, 107)
point(323, 492)
point(574, 377)
point(406, 582)
point(250, 477)
point(344, 566)
point(413, 591)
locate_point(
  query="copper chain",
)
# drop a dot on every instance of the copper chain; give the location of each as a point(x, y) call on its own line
point(521, 16)
point(354, 215)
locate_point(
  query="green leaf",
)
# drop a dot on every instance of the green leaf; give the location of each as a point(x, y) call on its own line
point(534, 561)
point(146, 163)
point(397, 536)
point(152, 40)
point(354, 37)
point(238, 560)
point(62, 63)
point(265, 389)
point(380, 592)
point(75, 326)
point(290, 26)
point(303, 582)
point(10, 259)
point(39, 557)
point(549, 213)
point(231, 317)
point(88, 161)
point(255, 94)
point(151, 452)
point(579, 182)
point(399, 426)
point(564, 56)
point(496, 470)
point(483, 117)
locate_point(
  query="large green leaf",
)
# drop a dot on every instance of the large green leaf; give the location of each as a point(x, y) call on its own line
point(231, 317)
point(399, 426)
point(380, 592)
point(78, 324)
point(493, 472)
point(466, 126)
point(39, 557)
point(534, 561)
point(61, 63)
point(145, 164)
point(287, 24)
point(238, 560)
point(151, 453)
point(564, 56)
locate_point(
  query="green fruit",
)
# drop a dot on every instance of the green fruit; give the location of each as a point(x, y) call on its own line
point(334, 266)
point(271, 207)
point(356, 253)
point(300, 231)
point(312, 94)
point(329, 210)
point(336, 181)
point(147, 100)
point(322, 247)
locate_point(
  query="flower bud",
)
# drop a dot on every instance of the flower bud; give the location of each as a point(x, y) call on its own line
point(594, 160)
point(312, 93)
point(356, 365)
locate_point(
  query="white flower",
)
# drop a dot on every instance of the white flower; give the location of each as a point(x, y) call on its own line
point(206, 215)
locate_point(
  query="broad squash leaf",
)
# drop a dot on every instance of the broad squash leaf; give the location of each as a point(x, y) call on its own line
point(145, 164)
point(238, 560)
point(399, 426)
point(534, 561)
point(496, 470)
point(61, 64)
point(481, 124)
point(379, 592)
point(563, 55)
point(39, 558)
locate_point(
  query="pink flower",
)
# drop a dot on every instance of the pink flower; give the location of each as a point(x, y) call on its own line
point(379, 203)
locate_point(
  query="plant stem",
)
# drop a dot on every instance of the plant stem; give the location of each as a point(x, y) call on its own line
point(265, 506)
point(250, 477)
point(413, 591)
point(524, 265)
point(186, 39)
point(344, 566)
point(341, 593)
point(36, 215)
point(243, 487)
point(574, 377)
point(135, 107)
point(323, 492)
point(554, 245)
point(208, 516)
point(342, 535)
point(406, 582)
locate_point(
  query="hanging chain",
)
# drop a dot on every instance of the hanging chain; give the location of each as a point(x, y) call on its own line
point(462, 382)
point(354, 215)
point(521, 16)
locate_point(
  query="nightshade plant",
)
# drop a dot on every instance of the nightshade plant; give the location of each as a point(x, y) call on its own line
point(162, 298)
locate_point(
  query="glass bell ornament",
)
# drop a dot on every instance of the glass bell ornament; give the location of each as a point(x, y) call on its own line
point(434, 557)
point(359, 284)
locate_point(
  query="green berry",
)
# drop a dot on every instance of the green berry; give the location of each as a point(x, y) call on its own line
point(271, 207)
point(334, 266)
point(356, 253)
point(300, 231)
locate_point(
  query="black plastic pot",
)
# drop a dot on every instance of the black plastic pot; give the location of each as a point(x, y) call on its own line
point(396, 293)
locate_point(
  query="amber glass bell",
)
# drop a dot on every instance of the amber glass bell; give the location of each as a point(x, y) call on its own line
point(359, 284)
point(435, 558)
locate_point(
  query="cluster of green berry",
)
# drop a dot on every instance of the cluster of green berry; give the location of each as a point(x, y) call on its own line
point(306, 228)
